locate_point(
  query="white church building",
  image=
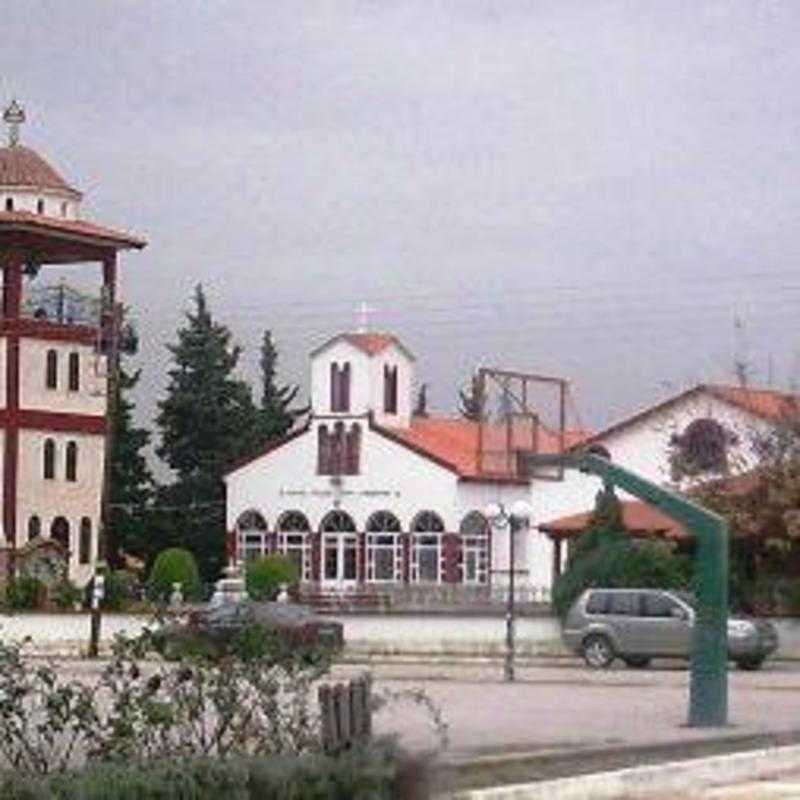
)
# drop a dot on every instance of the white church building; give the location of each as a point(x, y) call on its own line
point(369, 497)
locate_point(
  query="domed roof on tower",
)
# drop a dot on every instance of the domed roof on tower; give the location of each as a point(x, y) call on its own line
point(21, 167)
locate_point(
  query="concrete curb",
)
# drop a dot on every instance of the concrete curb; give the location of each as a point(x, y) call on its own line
point(655, 780)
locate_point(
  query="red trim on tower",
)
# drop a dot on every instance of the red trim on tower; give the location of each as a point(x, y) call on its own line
point(58, 422)
point(49, 331)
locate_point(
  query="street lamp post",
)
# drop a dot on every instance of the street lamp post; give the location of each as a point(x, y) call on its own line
point(515, 520)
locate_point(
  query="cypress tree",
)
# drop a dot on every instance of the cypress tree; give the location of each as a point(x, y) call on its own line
point(131, 481)
point(276, 414)
point(207, 420)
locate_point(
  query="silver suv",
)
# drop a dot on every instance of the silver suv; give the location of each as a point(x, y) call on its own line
point(637, 625)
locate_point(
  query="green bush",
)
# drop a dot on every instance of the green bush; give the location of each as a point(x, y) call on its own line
point(265, 575)
point(174, 566)
point(372, 773)
point(25, 592)
point(122, 589)
point(65, 594)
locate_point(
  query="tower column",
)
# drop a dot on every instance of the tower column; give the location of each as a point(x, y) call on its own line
point(12, 301)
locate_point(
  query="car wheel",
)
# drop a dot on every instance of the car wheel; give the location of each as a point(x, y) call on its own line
point(597, 651)
point(637, 662)
point(750, 663)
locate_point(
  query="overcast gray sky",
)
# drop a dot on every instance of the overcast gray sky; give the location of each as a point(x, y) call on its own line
point(592, 188)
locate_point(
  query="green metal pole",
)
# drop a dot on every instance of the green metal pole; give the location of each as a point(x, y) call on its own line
point(708, 688)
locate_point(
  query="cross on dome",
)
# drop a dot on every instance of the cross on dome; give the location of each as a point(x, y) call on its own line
point(14, 116)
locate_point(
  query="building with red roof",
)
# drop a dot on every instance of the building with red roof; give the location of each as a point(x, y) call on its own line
point(57, 350)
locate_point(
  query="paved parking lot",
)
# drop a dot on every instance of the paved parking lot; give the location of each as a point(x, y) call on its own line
point(565, 706)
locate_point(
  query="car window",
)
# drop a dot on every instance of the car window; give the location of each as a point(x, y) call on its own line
point(597, 603)
point(658, 605)
point(624, 604)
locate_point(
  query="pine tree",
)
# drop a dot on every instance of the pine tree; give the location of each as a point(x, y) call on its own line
point(131, 481)
point(207, 421)
point(276, 414)
point(472, 400)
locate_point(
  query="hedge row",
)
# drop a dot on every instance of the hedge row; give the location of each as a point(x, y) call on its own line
point(370, 774)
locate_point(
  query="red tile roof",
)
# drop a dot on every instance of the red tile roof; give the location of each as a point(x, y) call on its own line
point(454, 443)
point(20, 220)
point(21, 166)
point(369, 343)
point(639, 518)
point(768, 404)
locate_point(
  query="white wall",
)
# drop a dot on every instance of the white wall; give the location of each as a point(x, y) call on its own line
point(34, 394)
point(27, 200)
point(642, 447)
point(392, 356)
point(59, 497)
point(340, 352)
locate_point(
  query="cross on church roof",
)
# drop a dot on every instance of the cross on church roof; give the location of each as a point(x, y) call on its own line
point(14, 116)
point(364, 311)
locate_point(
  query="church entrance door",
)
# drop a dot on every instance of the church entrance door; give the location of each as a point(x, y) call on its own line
point(339, 553)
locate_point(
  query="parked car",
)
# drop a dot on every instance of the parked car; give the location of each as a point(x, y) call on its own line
point(214, 627)
point(637, 625)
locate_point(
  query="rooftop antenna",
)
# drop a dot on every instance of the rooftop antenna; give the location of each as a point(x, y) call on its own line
point(14, 116)
point(741, 368)
point(364, 311)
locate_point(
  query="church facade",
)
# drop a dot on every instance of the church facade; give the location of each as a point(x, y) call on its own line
point(367, 495)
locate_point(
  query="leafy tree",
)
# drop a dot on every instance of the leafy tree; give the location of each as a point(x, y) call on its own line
point(606, 555)
point(276, 415)
point(131, 481)
point(472, 399)
point(207, 420)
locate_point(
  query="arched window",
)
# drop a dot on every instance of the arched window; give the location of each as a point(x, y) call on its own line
point(252, 530)
point(340, 387)
point(85, 544)
point(9, 203)
point(34, 528)
point(474, 532)
point(74, 372)
point(337, 522)
point(49, 459)
point(64, 209)
point(294, 541)
point(59, 532)
point(51, 370)
point(384, 548)
point(40, 206)
point(323, 451)
point(389, 389)
point(426, 548)
point(71, 467)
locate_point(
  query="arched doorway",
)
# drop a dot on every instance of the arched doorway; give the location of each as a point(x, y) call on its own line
point(338, 551)
point(251, 531)
point(59, 532)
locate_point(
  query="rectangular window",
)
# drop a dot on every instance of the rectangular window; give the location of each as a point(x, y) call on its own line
point(475, 559)
point(74, 372)
point(597, 603)
point(296, 546)
point(426, 558)
point(625, 604)
point(384, 558)
point(253, 546)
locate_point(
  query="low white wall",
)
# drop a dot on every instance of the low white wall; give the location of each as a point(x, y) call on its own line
point(374, 633)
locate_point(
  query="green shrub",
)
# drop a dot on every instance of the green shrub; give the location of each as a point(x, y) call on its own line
point(265, 575)
point(174, 566)
point(122, 589)
point(613, 559)
point(25, 592)
point(65, 594)
point(372, 773)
